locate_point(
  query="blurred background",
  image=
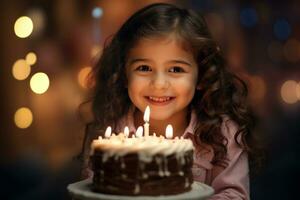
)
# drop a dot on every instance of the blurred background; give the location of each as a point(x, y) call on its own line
point(49, 46)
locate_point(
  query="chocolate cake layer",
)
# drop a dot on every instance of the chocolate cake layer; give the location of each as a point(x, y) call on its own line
point(131, 175)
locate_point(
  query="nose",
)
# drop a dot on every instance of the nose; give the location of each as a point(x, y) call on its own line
point(160, 81)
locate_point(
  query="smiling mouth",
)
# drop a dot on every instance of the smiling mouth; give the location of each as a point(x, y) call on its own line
point(159, 99)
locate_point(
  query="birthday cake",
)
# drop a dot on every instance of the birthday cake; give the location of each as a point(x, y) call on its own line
point(148, 165)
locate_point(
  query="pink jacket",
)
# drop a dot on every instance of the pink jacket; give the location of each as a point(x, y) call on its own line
point(230, 183)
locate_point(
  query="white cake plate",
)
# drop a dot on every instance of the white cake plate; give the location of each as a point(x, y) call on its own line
point(81, 191)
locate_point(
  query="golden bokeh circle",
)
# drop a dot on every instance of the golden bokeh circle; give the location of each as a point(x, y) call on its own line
point(23, 118)
point(23, 27)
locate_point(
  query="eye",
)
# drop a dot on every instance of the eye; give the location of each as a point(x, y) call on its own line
point(143, 68)
point(177, 69)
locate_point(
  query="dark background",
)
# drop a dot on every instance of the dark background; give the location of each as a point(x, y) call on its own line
point(260, 40)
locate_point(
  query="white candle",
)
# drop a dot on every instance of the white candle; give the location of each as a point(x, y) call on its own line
point(169, 131)
point(126, 131)
point(107, 132)
point(161, 138)
point(139, 132)
point(146, 120)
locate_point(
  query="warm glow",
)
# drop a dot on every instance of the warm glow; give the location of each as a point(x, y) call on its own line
point(298, 91)
point(126, 131)
point(258, 87)
point(96, 51)
point(288, 92)
point(21, 69)
point(37, 16)
point(83, 76)
point(169, 131)
point(147, 114)
point(107, 133)
point(23, 118)
point(139, 132)
point(23, 27)
point(39, 83)
point(31, 58)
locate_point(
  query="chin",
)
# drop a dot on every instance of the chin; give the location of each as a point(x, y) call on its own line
point(159, 117)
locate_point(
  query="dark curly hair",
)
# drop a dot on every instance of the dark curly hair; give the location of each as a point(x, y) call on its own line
point(219, 93)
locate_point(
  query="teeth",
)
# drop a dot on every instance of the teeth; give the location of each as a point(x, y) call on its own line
point(160, 99)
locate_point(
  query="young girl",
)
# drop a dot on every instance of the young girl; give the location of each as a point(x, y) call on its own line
point(163, 56)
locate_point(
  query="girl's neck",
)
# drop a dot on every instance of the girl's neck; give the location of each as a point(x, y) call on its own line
point(179, 123)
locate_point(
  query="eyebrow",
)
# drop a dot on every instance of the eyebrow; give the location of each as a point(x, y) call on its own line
point(170, 61)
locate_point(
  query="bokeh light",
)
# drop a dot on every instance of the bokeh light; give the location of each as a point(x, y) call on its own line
point(298, 91)
point(23, 118)
point(38, 18)
point(97, 12)
point(31, 58)
point(23, 27)
point(248, 17)
point(282, 29)
point(288, 92)
point(83, 76)
point(21, 69)
point(96, 51)
point(39, 83)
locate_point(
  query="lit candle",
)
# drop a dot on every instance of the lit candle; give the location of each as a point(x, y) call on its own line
point(100, 138)
point(169, 131)
point(161, 138)
point(107, 132)
point(126, 131)
point(139, 132)
point(146, 120)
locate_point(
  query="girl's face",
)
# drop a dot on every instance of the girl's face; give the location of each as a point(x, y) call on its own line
point(163, 75)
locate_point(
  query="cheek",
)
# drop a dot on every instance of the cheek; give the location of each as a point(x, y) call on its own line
point(187, 84)
point(132, 89)
point(186, 89)
point(135, 86)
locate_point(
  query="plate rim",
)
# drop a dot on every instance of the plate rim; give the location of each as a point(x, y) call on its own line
point(80, 190)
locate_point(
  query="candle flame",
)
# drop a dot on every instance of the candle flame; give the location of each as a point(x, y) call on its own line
point(147, 114)
point(107, 132)
point(139, 132)
point(126, 131)
point(169, 131)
